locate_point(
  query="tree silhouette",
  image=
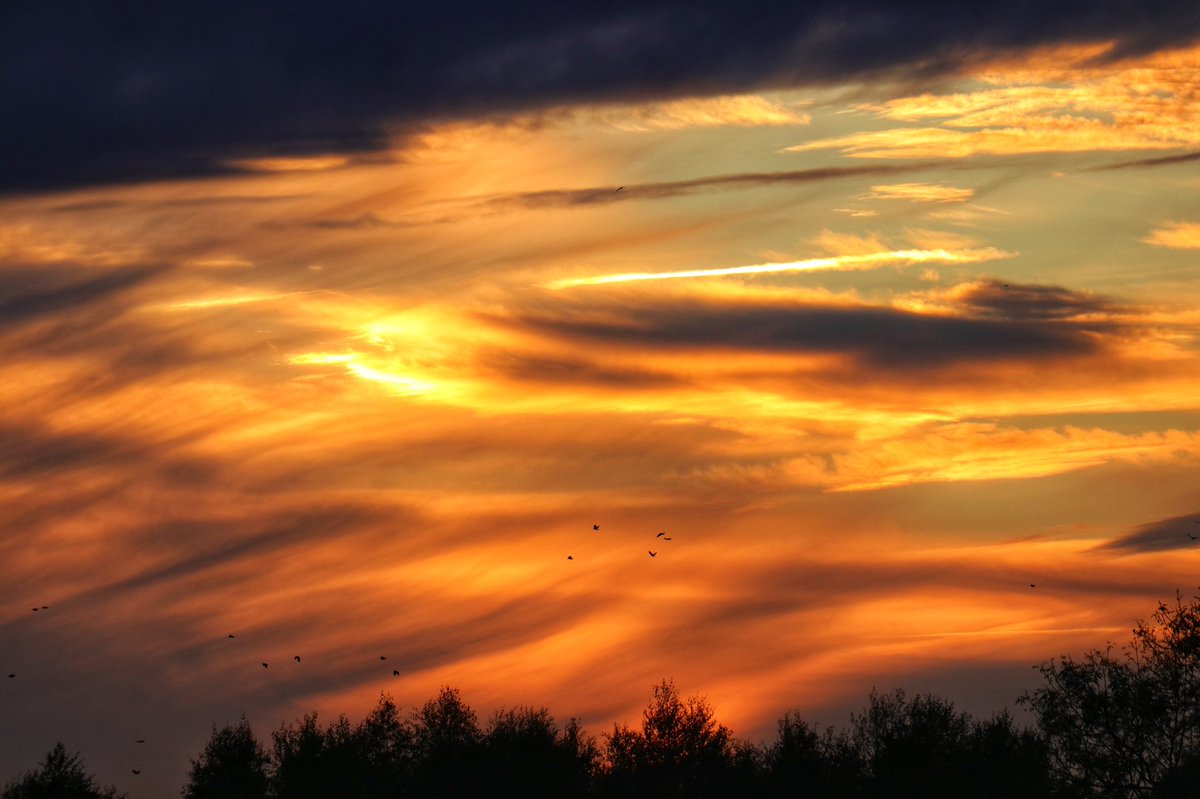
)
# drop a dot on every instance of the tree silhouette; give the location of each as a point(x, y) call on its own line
point(448, 748)
point(525, 754)
point(312, 763)
point(680, 750)
point(800, 757)
point(1119, 723)
point(385, 748)
point(233, 765)
point(60, 776)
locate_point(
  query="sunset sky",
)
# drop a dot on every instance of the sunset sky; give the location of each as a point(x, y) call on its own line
point(337, 328)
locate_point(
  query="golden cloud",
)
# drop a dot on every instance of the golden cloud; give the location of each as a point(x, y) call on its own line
point(1149, 103)
point(919, 192)
point(1176, 235)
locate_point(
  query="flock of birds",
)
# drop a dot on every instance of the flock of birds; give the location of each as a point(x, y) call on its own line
point(264, 664)
point(396, 672)
point(653, 554)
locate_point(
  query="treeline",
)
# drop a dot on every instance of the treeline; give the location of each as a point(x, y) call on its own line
point(1116, 723)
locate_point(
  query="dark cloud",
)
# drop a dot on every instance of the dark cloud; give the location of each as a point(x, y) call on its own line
point(129, 91)
point(1165, 160)
point(1173, 533)
point(655, 191)
point(881, 337)
point(366, 221)
point(560, 370)
point(32, 292)
point(1022, 301)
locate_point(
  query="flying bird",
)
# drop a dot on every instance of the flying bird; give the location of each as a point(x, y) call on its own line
point(11, 676)
point(652, 552)
point(595, 527)
point(1032, 585)
point(140, 741)
point(264, 664)
point(136, 771)
point(620, 188)
point(383, 657)
point(668, 538)
point(297, 658)
point(1193, 537)
point(395, 672)
point(45, 607)
point(660, 535)
point(229, 636)
point(569, 557)
point(35, 610)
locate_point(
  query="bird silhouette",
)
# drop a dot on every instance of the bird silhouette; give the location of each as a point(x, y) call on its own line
point(140, 741)
point(11, 676)
point(136, 771)
point(264, 665)
point(652, 552)
point(383, 657)
point(620, 188)
point(569, 557)
point(45, 607)
point(35, 610)
point(667, 538)
point(1032, 585)
point(297, 658)
point(660, 535)
point(395, 672)
point(229, 636)
point(595, 527)
point(1193, 537)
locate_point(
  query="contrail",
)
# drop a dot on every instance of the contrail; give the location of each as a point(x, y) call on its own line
point(864, 261)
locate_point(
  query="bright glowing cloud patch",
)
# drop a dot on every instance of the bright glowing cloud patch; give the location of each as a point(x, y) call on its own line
point(1176, 235)
point(704, 112)
point(919, 192)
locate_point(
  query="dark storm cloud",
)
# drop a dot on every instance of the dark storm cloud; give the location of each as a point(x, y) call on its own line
point(1024, 301)
point(1173, 533)
point(878, 336)
point(127, 91)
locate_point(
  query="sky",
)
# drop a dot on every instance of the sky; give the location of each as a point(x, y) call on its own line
point(338, 329)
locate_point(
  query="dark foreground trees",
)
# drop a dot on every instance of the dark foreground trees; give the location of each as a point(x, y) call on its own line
point(59, 776)
point(1115, 724)
point(1126, 723)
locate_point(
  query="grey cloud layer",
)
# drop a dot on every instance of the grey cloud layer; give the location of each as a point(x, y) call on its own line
point(879, 336)
point(129, 91)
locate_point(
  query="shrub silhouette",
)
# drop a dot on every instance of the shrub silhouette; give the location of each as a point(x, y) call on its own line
point(60, 776)
point(233, 765)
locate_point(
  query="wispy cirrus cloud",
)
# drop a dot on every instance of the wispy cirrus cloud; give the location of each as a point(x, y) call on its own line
point(1141, 104)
